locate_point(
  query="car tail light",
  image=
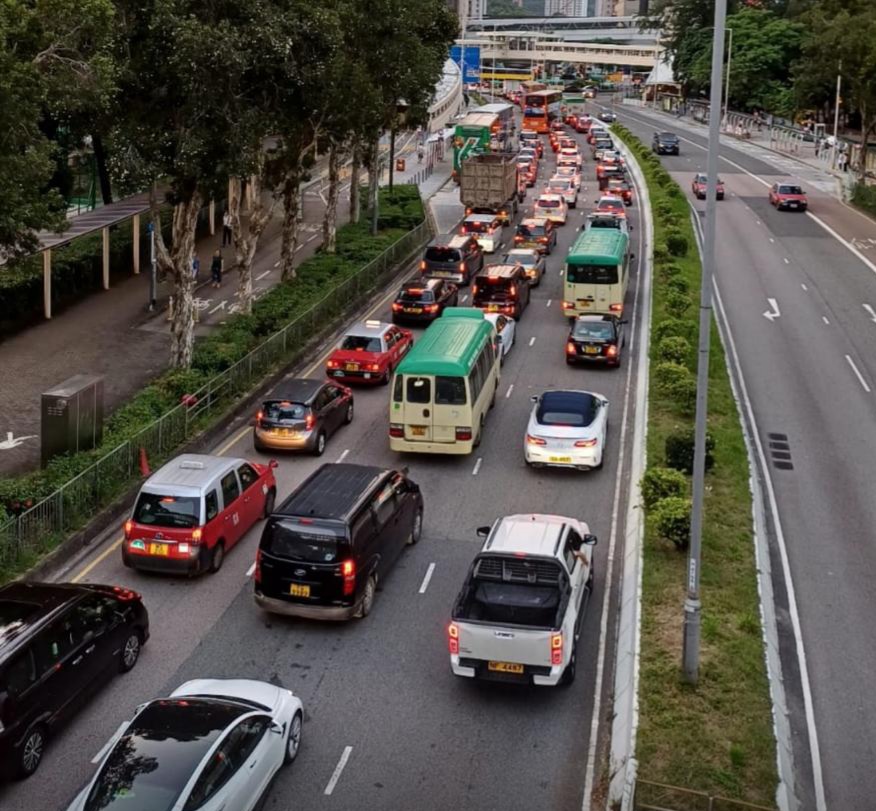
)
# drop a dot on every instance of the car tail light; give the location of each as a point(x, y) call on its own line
point(518, 238)
point(534, 440)
point(556, 649)
point(568, 305)
point(462, 267)
point(422, 264)
point(616, 308)
point(396, 430)
point(463, 434)
point(129, 526)
point(260, 415)
point(468, 212)
point(348, 572)
point(513, 290)
point(570, 348)
point(257, 572)
point(309, 422)
point(586, 443)
point(474, 290)
point(431, 308)
point(373, 367)
point(125, 595)
point(333, 364)
point(396, 307)
point(543, 240)
point(453, 639)
point(611, 350)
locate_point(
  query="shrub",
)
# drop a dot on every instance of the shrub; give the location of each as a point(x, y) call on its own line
point(672, 520)
point(684, 396)
point(671, 326)
point(662, 482)
point(668, 375)
point(679, 449)
point(677, 283)
point(667, 270)
point(673, 349)
point(864, 197)
point(676, 242)
point(661, 252)
point(677, 303)
point(664, 209)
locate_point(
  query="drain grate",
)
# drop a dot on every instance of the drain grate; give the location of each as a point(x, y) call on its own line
point(780, 451)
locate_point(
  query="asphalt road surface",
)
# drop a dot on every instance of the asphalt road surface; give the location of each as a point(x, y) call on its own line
point(810, 374)
point(419, 736)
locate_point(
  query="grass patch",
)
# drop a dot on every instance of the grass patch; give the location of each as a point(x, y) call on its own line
point(715, 737)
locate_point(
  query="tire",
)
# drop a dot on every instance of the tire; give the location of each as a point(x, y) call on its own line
point(270, 500)
point(416, 528)
point(348, 417)
point(293, 739)
point(367, 598)
point(569, 673)
point(257, 446)
point(319, 448)
point(130, 652)
point(217, 558)
point(384, 380)
point(30, 754)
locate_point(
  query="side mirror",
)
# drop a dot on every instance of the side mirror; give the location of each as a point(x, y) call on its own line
point(534, 398)
point(590, 540)
point(630, 227)
point(273, 464)
point(278, 729)
point(632, 256)
point(483, 532)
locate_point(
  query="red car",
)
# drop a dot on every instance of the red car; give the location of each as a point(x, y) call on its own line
point(583, 124)
point(530, 138)
point(610, 204)
point(621, 188)
point(789, 196)
point(557, 126)
point(700, 183)
point(369, 353)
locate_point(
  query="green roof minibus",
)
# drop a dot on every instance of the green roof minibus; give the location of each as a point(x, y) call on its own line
point(597, 273)
point(445, 386)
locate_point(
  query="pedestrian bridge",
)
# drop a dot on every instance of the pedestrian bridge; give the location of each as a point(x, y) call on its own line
point(544, 50)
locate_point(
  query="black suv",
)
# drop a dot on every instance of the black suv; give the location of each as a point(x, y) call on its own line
point(456, 257)
point(424, 301)
point(502, 289)
point(324, 549)
point(58, 643)
point(665, 143)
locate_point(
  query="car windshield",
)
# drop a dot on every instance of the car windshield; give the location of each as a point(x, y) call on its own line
point(568, 408)
point(593, 331)
point(524, 257)
point(591, 274)
point(439, 254)
point(558, 185)
point(668, 136)
point(154, 760)
point(312, 543)
point(361, 343)
point(790, 190)
point(416, 294)
point(530, 230)
point(548, 203)
point(281, 411)
point(159, 510)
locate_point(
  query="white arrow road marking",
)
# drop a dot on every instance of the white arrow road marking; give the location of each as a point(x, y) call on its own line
point(14, 441)
point(773, 313)
point(869, 309)
point(220, 306)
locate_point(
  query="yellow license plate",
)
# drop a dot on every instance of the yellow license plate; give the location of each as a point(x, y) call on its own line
point(413, 309)
point(561, 459)
point(492, 308)
point(297, 590)
point(161, 549)
point(418, 430)
point(351, 367)
point(504, 667)
point(582, 303)
point(591, 350)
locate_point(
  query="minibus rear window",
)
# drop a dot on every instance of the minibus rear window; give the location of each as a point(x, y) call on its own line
point(418, 389)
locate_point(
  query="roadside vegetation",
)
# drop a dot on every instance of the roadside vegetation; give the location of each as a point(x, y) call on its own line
point(716, 736)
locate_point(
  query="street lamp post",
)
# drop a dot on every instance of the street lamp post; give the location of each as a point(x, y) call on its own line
point(836, 112)
point(692, 607)
point(400, 109)
point(727, 86)
point(153, 272)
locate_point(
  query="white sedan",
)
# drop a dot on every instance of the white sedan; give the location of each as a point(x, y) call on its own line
point(212, 744)
point(553, 207)
point(506, 329)
point(567, 429)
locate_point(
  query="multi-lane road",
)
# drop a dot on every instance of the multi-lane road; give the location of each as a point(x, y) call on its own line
point(809, 376)
point(381, 703)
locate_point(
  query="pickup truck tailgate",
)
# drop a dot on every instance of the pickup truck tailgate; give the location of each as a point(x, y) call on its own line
point(504, 644)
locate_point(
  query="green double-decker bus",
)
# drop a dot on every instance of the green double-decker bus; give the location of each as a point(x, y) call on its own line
point(445, 386)
point(597, 273)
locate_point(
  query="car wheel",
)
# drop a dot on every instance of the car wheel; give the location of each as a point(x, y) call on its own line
point(130, 652)
point(416, 528)
point(319, 448)
point(569, 673)
point(368, 597)
point(348, 417)
point(293, 739)
point(217, 558)
point(30, 753)
point(257, 446)
point(270, 500)
point(384, 380)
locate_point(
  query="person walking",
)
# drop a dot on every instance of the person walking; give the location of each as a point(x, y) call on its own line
point(196, 267)
point(421, 152)
point(216, 269)
point(226, 229)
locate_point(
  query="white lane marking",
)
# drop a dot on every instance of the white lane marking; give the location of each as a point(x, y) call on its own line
point(757, 222)
point(858, 374)
point(549, 301)
point(336, 774)
point(315, 236)
point(262, 275)
point(342, 456)
point(250, 570)
point(464, 298)
point(773, 313)
point(786, 260)
point(477, 466)
point(803, 286)
point(510, 389)
point(870, 310)
point(561, 271)
point(220, 306)
point(532, 340)
point(105, 748)
point(277, 264)
point(771, 239)
point(425, 584)
point(824, 318)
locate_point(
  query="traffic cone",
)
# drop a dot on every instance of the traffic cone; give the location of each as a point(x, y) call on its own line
point(144, 463)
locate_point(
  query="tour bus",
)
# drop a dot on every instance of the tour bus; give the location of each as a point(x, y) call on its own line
point(445, 386)
point(540, 108)
point(597, 273)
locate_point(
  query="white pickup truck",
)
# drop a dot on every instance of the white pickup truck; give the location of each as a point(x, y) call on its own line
point(518, 615)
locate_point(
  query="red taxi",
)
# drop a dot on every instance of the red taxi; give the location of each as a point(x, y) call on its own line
point(700, 184)
point(620, 187)
point(788, 196)
point(191, 511)
point(369, 353)
point(583, 124)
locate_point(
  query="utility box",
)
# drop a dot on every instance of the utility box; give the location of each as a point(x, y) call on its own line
point(72, 416)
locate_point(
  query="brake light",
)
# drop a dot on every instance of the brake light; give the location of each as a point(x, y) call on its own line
point(396, 307)
point(462, 267)
point(348, 572)
point(556, 649)
point(373, 367)
point(543, 239)
point(518, 238)
point(396, 429)
point(611, 350)
point(333, 364)
point(570, 348)
point(463, 434)
point(309, 422)
point(568, 305)
point(513, 290)
point(125, 595)
point(468, 212)
point(431, 308)
point(616, 308)
point(260, 415)
point(586, 443)
point(129, 526)
point(422, 264)
point(474, 290)
point(534, 440)
point(453, 639)
point(257, 573)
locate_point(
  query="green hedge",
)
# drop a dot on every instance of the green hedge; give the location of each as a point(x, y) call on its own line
point(230, 342)
point(864, 197)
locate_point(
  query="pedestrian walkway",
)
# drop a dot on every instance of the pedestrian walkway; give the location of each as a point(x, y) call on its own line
point(113, 334)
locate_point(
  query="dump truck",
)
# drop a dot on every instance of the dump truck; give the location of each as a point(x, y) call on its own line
point(489, 185)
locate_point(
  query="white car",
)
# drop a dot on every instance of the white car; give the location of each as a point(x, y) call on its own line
point(570, 154)
point(506, 330)
point(567, 428)
point(570, 172)
point(565, 187)
point(213, 744)
point(553, 207)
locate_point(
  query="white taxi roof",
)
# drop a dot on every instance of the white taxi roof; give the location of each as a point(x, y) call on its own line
point(189, 474)
point(369, 329)
point(550, 197)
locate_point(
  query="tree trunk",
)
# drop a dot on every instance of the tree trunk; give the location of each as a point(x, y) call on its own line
point(177, 264)
point(374, 183)
point(103, 177)
point(291, 192)
point(246, 237)
point(355, 180)
point(330, 219)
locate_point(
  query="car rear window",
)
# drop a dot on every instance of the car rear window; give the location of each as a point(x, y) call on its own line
point(436, 254)
point(559, 185)
point(591, 274)
point(450, 391)
point(418, 389)
point(418, 295)
point(311, 543)
point(493, 289)
point(593, 331)
point(361, 343)
point(530, 230)
point(790, 190)
point(566, 408)
point(548, 203)
point(283, 411)
point(475, 227)
point(157, 510)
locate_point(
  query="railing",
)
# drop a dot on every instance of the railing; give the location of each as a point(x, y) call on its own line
point(72, 505)
point(660, 797)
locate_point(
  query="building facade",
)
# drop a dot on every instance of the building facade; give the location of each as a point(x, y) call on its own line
point(566, 8)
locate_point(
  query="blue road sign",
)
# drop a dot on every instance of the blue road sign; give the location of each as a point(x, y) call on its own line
point(472, 71)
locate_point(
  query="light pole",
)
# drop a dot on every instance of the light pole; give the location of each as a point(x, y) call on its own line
point(400, 108)
point(692, 607)
point(727, 86)
point(836, 111)
point(153, 271)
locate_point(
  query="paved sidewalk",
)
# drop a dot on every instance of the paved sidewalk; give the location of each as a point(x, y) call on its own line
point(112, 333)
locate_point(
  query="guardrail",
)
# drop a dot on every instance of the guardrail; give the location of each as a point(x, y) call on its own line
point(72, 505)
point(661, 797)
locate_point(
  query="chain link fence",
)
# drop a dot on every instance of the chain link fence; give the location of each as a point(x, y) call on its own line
point(660, 797)
point(38, 529)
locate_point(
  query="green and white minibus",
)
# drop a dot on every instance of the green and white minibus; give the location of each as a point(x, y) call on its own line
point(445, 386)
point(597, 273)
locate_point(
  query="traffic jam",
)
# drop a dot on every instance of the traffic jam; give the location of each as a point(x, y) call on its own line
point(501, 351)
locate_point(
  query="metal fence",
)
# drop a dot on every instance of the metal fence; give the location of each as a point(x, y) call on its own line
point(660, 797)
point(71, 506)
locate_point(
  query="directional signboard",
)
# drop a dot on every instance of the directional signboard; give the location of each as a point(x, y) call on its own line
point(472, 71)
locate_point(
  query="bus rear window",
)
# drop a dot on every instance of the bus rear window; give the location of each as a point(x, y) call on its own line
point(450, 391)
point(591, 274)
point(418, 389)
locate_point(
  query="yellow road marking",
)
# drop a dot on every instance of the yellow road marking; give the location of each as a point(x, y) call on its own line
point(102, 556)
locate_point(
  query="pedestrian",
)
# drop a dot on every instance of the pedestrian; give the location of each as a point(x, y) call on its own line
point(196, 267)
point(421, 151)
point(216, 269)
point(226, 229)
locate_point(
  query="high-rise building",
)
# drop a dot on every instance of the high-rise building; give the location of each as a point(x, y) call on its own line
point(565, 8)
point(468, 9)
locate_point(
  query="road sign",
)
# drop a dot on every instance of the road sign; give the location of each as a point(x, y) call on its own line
point(472, 62)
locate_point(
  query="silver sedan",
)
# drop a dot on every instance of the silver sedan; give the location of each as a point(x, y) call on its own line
point(532, 261)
